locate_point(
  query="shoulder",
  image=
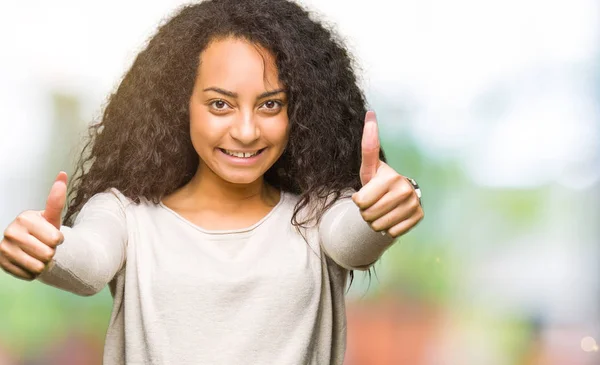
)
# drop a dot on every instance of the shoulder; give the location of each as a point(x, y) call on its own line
point(284, 209)
point(289, 199)
point(110, 200)
point(109, 197)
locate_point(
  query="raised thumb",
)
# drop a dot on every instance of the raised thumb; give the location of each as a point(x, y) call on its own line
point(369, 148)
point(56, 200)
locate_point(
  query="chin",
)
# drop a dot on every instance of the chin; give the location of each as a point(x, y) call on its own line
point(240, 178)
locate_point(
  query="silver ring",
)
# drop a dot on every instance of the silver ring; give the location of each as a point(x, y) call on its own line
point(416, 187)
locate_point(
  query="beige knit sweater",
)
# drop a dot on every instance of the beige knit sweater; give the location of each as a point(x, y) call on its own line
point(186, 295)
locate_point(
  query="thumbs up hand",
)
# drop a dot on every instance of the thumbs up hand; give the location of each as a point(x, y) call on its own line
point(30, 241)
point(387, 200)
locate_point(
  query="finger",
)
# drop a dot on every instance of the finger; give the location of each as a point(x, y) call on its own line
point(17, 257)
point(369, 148)
point(42, 230)
point(56, 200)
point(382, 183)
point(370, 193)
point(406, 225)
point(389, 220)
point(386, 204)
point(17, 235)
point(33, 223)
point(14, 270)
point(34, 248)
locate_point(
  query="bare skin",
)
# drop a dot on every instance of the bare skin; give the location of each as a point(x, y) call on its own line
point(238, 104)
point(29, 242)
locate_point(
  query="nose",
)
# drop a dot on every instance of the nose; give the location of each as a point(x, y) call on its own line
point(245, 129)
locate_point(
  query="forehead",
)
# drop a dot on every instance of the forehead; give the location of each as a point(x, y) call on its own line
point(237, 63)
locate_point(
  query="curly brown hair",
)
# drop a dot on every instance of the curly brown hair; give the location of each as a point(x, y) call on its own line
point(142, 144)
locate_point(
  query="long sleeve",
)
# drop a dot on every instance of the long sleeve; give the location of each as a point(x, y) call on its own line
point(94, 249)
point(348, 240)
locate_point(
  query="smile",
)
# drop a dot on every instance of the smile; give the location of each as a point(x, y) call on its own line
point(241, 154)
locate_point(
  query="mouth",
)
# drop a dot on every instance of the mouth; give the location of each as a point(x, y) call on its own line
point(239, 154)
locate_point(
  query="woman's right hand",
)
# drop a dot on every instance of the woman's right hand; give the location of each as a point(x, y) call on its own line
point(30, 241)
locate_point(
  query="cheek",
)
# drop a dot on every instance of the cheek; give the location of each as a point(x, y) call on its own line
point(196, 121)
point(204, 129)
point(279, 132)
point(197, 134)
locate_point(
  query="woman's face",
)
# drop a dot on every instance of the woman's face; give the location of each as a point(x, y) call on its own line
point(238, 111)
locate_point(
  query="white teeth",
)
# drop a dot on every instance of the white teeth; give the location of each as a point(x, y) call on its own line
point(241, 154)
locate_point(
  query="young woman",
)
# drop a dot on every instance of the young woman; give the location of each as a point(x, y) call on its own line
point(233, 183)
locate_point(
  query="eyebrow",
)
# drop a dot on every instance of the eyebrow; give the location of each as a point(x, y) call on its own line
point(235, 95)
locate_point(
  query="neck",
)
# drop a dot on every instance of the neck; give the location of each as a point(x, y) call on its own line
point(207, 187)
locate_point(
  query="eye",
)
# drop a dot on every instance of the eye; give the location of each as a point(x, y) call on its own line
point(219, 105)
point(272, 105)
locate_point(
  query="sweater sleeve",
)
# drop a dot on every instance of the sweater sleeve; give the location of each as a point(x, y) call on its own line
point(93, 250)
point(348, 240)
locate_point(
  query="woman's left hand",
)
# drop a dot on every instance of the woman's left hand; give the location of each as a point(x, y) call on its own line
point(387, 200)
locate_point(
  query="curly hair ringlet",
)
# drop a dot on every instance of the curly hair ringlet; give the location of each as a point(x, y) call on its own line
point(142, 145)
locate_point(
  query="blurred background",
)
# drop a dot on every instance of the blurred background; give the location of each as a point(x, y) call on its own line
point(492, 106)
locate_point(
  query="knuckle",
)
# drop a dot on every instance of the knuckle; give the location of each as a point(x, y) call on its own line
point(57, 238)
point(366, 216)
point(22, 219)
point(376, 226)
point(47, 255)
point(396, 231)
point(403, 192)
point(396, 178)
point(10, 231)
point(19, 219)
point(37, 269)
point(358, 201)
point(414, 203)
point(408, 190)
point(53, 242)
point(3, 248)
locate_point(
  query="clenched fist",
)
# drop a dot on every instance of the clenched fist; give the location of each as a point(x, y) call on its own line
point(387, 200)
point(30, 241)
